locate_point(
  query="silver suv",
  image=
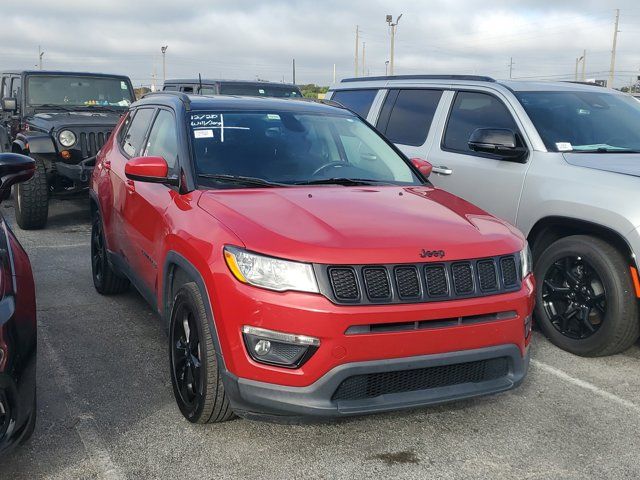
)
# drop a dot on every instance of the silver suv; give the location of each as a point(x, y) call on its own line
point(558, 160)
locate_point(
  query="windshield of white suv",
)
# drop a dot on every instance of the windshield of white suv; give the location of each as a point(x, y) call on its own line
point(278, 148)
point(77, 91)
point(592, 122)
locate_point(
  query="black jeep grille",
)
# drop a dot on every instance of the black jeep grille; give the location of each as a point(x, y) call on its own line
point(373, 385)
point(89, 143)
point(408, 283)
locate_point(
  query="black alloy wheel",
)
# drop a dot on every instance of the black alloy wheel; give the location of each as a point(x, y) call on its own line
point(195, 371)
point(586, 302)
point(574, 297)
point(105, 279)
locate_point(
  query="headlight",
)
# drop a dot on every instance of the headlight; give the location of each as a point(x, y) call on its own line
point(268, 272)
point(67, 138)
point(526, 261)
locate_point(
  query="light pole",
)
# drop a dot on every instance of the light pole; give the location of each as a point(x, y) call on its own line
point(164, 63)
point(386, 68)
point(393, 26)
point(40, 54)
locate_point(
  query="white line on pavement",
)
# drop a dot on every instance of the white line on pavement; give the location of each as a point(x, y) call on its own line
point(69, 245)
point(86, 426)
point(586, 385)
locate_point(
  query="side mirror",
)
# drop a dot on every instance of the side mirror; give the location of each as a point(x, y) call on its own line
point(423, 166)
point(148, 169)
point(497, 141)
point(14, 168)
point(9, 104)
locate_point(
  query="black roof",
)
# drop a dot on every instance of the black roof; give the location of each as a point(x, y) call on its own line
point(233, 102)
point(478, 78)
point(211, 81)
point(58, 72)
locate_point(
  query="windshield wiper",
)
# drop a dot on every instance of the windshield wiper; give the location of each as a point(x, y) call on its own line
point(343, 181)
point(53, 106)
point(251, 181)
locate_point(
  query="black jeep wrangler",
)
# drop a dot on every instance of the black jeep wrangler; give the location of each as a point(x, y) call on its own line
point(61, 119)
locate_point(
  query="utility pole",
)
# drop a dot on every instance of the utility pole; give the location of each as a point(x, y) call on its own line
point(364, 58)
point(511, 64)
point(584, 65)
point(334, 73)
point(164, 63)
point(613, 50)
point(294, 71)
point(40, 54)
point(357, 49)
point(393, 26)
point(576, 75)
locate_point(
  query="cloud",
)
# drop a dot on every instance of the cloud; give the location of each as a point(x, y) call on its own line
point(246, 39)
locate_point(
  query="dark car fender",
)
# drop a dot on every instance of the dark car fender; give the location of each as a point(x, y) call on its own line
point(35, 142)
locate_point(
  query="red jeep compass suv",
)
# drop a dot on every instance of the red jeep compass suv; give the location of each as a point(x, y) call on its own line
point(302, 265)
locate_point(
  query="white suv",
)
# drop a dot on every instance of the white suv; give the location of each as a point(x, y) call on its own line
point(559, 160)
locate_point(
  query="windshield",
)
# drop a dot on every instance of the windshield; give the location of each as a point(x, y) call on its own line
point(293, 148)
point(259, 90)
point(77, 91)
point(597, 122)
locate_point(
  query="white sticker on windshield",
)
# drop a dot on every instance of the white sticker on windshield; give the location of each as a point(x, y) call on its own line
point(261, 91)
point(273, 116)
point(564, 146)
point(203, 133)
point(123, 85)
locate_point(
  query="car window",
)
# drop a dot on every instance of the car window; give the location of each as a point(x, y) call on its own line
point(134, 137)
point(163, 139)
point(170, 88)
point(207, 90)
point(358, 101)
point(411, 116)
point(473, 110)
point(187, 89)
point(5, 87)
point(15, 86)
point(125, 126)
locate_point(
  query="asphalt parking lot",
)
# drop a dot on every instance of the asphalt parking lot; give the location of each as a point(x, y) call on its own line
point(106, 409)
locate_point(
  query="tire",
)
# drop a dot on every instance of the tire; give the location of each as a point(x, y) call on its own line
point(105, 279)
point(193, 357)
point(585, 301)
point(31, 200)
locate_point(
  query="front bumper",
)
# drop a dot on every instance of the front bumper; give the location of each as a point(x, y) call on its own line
point(252, 398)
point(79, 173)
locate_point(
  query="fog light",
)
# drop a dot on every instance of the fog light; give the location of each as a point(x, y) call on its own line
point(262, 347)
point(277, 348)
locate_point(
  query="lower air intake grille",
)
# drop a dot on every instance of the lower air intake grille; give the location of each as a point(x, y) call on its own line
point(376, 282)
point(372, 385)
point(509, 273)
point(345, 285)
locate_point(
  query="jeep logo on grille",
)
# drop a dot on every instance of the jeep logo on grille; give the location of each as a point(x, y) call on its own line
point(432, 253)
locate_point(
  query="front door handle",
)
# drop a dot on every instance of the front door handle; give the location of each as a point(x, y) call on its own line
point(131, 187)
point(442, 170)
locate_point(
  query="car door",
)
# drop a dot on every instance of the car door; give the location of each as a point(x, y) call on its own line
point(130, 144)
point(146, 203)
point(406, 118)
point(492, 183)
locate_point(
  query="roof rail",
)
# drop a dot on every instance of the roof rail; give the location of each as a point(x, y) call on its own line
point(181, 95)
point(577, 82)
point(477, 78)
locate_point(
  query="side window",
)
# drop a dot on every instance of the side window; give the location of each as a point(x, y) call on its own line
point(5, 87)
point(411, 116)
point(15, 87)
point(134, 137)
point(187, 89)
point(163, 138)
point(358, 101)
point(470, 111)
point(125, 126)
point(169, 88)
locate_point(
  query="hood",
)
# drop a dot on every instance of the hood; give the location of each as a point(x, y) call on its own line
point(624, 163)
point(360, 224)
point(56, 120)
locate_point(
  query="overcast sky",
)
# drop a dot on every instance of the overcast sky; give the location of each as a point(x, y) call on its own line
point(249, 39)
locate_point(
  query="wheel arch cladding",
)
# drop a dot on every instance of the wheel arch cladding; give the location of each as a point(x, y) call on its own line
point(549, 229)
point(177, 271)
